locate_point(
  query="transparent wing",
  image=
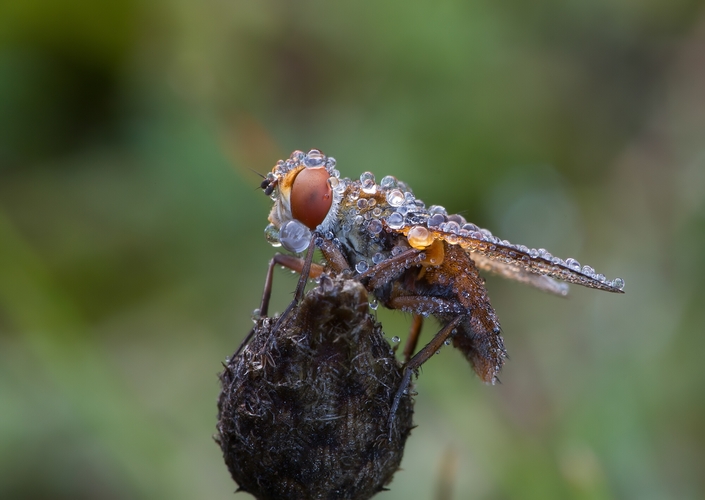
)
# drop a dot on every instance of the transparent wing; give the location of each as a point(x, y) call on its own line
point(516, 273)
point(534, 267)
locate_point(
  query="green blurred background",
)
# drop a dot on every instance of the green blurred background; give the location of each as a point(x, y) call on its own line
point(132, 253)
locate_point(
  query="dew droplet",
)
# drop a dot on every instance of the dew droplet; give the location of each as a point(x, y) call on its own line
point(374, 227)
point(573, 264)
point(452, 227)
point(437, 209)
point(367, 181)
point(395, 221)
point(340, 187)
point(362, 266)
point(395, 197)
point(314, 158)
point(419, 237)
point(388, 182)
point(256, 315)
point(362, 203)
point(330, 165)
point(447, 341)
point(271, 234)
point(457, 218)
point(377, 258)
point(588, 271)
point(436, 220)
point(294, 236)
point(618, 283)
point(395, 339)
point(374, 305)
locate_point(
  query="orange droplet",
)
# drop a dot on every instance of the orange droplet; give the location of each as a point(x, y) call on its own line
point(419, 237)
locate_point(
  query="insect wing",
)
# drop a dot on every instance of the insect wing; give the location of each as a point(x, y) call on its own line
point(530, 266)
point(516, 273)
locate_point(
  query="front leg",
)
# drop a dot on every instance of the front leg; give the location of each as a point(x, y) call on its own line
point(290, 262)
point(295, 264)
point(301, 285)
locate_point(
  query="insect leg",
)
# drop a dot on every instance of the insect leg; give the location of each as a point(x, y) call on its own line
point(413, 339)
point(420, 358)
point(479, 336)
point(301, 285)
point(333, 255)
point(418, 304)
point(390, 269)
point(289, 261)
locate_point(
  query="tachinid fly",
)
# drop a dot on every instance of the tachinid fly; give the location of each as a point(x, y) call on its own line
point(411, 257)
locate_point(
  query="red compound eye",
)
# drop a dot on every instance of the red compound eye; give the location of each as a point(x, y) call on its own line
point(311, 196)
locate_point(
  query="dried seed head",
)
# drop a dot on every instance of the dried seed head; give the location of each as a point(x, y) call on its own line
point(303, 411)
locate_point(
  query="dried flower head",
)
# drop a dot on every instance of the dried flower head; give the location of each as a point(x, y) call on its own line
point(303, 411)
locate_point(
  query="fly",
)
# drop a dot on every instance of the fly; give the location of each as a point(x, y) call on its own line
point(411, 257)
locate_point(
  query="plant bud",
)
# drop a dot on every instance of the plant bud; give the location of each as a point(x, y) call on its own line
point(303, 412)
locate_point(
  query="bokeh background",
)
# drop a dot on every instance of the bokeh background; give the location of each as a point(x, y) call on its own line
point(132, 252)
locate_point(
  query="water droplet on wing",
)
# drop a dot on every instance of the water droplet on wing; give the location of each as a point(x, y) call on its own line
point(573, 264)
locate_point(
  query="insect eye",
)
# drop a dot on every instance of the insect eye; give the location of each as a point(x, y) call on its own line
point(311, 196)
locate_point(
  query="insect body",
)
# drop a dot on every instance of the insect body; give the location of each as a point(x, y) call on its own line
point(411, 257)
